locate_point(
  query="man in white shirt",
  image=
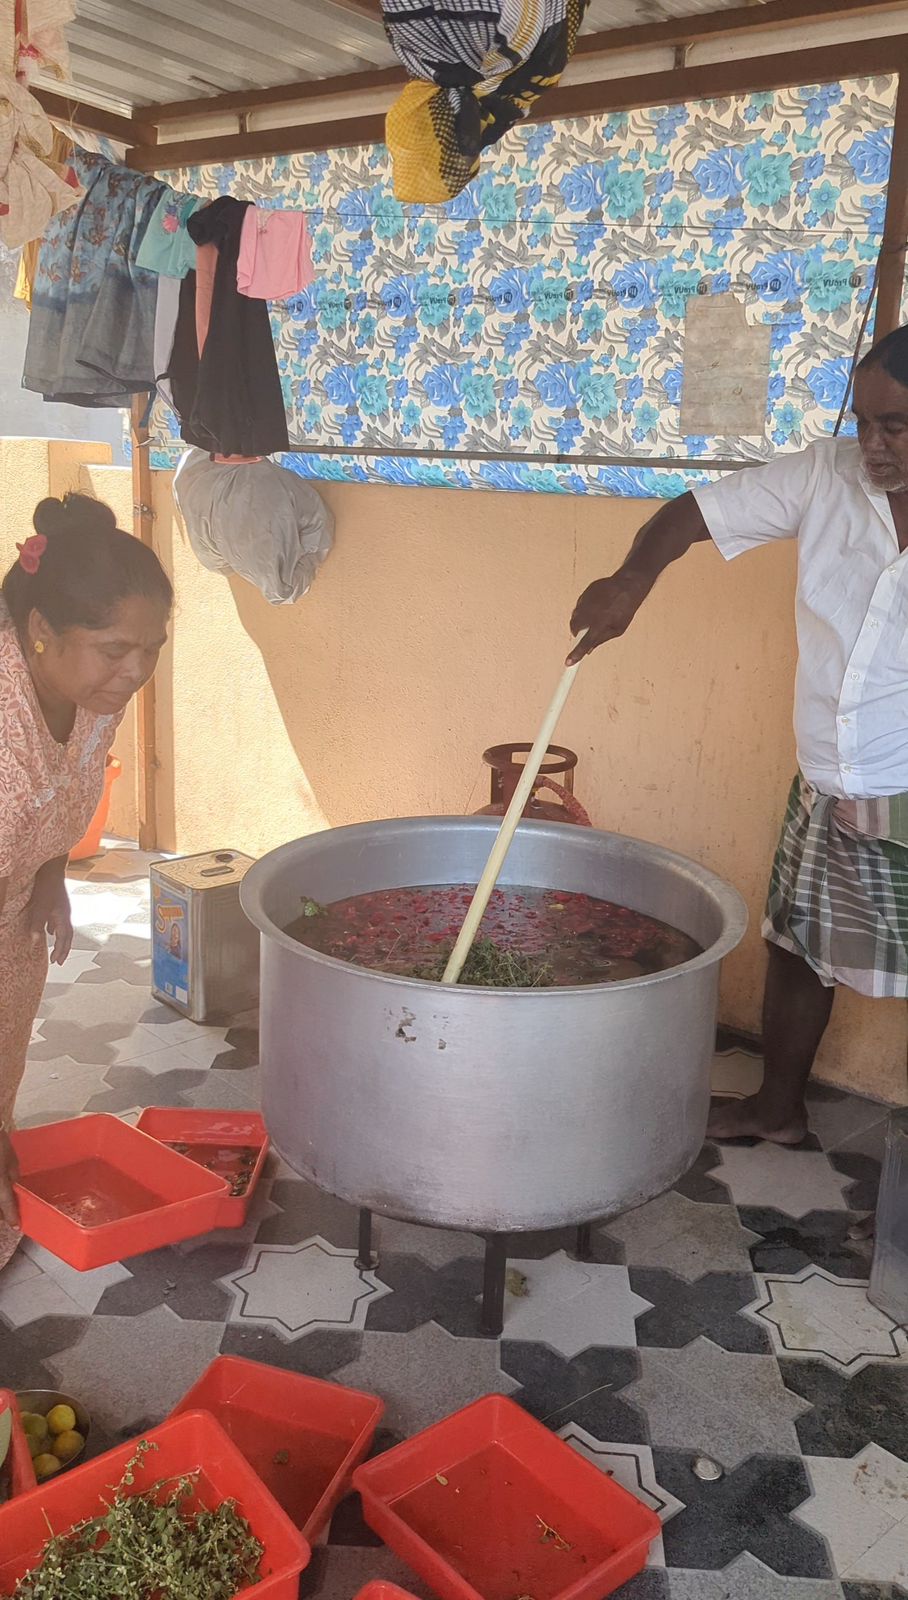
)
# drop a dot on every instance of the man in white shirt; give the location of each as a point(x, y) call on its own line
point(838, 899)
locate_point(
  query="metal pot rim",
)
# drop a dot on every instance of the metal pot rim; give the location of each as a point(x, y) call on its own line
point(733, 911)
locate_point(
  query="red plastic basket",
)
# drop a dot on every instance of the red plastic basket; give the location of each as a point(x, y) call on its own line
point(95, 1190)
point(22, 1472)
point(303, 1436)
point(380, 1589)
point(193, 1443)
point(213, 1131)
point(489, 1505)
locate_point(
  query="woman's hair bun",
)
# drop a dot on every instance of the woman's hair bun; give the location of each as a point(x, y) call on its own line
point(85, 567)
point(74, 514)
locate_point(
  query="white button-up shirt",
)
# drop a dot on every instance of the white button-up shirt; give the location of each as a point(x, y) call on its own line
point(851, 692)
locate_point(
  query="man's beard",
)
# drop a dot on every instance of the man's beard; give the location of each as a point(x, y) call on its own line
point(889, 480)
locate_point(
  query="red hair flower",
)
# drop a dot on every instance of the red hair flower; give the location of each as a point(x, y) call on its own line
point(30, 553)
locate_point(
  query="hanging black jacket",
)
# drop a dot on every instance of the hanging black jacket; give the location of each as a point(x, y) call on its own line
point(229, 400)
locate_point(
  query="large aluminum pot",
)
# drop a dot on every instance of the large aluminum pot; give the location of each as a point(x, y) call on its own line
point(490, 1110)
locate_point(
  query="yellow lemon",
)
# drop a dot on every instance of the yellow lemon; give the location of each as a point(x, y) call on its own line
point(46, 1466)
point(35, 1426)
point(67, 1445)
point(62, 1419)
point(35, 1446)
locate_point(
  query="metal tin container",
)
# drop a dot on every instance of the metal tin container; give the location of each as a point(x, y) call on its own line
point(888, 1287)
point(204, 953)
point(486, 1109)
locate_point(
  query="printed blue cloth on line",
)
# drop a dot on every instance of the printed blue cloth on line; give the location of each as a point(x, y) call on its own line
point(91, 333)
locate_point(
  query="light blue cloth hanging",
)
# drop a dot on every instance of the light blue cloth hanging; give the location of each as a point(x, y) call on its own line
point(91, 331)
point(167, 248)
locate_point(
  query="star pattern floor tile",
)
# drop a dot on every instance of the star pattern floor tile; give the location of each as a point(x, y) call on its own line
point(726, 1318)
point(572, 1304)
point(296, 1289)
point(860, 1506)
point(684, 1237)
point(748, 1511)
point(835, 1116)
point(86, 1289)
point(820, 1238)
point(712, 1306)
point(632, 1467)
point(718, 1403)
point(735, 1073)
point(817, 1314)
point(432, 1375)
point(848, 1411)
point(794, 1181)
point(589, 1390)
point(749, 1579)
point(129, 1369)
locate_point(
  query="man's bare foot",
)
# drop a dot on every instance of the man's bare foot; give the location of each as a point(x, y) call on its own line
point(752, 1119)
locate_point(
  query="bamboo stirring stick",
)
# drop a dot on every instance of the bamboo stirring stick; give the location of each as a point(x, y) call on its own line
point(507, 830)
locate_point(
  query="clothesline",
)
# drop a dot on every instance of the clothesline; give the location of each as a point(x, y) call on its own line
point(139, 287)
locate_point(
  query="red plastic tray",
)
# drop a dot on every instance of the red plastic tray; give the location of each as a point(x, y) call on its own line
point(380, 1589)
point(204, 1130)
point(22, 1472)
point(187, 1444)
point(490, 1504)
point(323, 1429)
point(95, 1190)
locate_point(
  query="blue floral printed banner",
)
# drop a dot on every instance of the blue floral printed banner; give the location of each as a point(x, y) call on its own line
point(529, 335)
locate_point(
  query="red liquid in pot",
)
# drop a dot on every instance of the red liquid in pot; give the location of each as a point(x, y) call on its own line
point(579, 939)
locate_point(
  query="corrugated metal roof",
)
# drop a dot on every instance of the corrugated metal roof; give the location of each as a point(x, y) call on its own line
point(128, 53)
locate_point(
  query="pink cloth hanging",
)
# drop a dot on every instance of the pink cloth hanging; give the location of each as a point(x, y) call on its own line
point(275, 259)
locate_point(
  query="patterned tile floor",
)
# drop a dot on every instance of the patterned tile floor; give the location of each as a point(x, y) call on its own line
point(727, 1318)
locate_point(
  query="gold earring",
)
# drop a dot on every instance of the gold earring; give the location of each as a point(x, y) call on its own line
point(39, 647)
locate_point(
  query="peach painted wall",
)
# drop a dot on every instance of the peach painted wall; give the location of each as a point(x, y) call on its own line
point(437, 627)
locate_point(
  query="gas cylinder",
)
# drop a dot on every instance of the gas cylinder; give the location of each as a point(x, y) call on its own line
point(503, 759)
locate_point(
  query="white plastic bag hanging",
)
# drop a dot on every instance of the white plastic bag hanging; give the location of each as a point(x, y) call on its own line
point(255, 519)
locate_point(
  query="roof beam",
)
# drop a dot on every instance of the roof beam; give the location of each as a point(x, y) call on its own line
point(825, 64)
point(309, 136)
point(737, 22)
point(125, 130)
point(370, 9)
point(746, 75)
point(309, 89)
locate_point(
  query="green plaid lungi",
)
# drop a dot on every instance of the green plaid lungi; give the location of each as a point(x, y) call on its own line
point(838, 892)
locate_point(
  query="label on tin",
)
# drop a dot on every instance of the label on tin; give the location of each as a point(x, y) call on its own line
point(170, 943)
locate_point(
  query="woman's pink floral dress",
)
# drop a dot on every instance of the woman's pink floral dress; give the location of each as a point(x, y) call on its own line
point(48, 796)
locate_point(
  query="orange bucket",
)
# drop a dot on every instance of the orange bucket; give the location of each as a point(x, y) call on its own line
point(90, 843)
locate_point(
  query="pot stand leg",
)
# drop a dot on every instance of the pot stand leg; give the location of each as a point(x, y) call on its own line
point(493, 1283)
point(365, 1260)
point(583, 1247)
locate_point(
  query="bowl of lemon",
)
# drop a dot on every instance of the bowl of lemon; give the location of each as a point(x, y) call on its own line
point(56, 1428)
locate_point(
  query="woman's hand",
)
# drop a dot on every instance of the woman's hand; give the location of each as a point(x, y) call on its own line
point(9, 1174)
point(49, 914)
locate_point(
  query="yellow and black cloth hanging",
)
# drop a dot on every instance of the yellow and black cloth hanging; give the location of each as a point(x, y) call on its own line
point(479, 65)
